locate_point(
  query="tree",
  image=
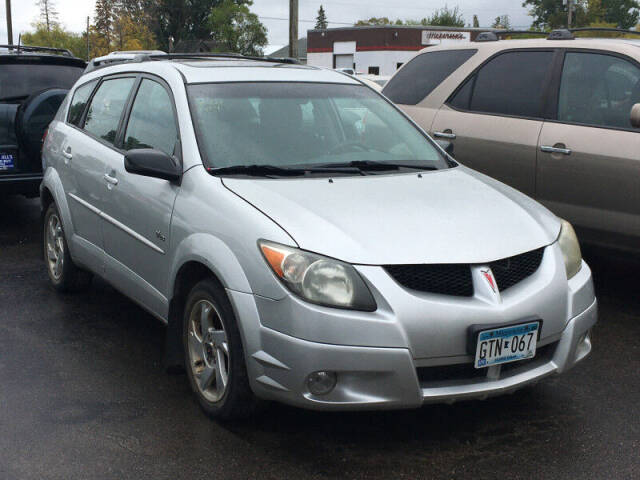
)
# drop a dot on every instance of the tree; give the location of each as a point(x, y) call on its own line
point(502, 22)
point(476, 23)
point(236, 29)
point(321, 20)
point(624, 13)
point(446, 17)
point(56, 37)
point(103, 20)
point(374, 21)
point(48, 13)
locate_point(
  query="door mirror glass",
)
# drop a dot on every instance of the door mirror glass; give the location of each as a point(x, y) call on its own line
point(152, 163)
point(635, 116)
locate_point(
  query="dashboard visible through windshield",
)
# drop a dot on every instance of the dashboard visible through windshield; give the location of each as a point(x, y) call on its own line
point(298, 126)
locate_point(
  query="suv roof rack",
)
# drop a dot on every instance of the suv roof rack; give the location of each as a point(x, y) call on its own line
point(558, 34)
point(33, 49)
point(147, 56)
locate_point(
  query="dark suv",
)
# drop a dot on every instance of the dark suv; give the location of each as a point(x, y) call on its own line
point(33, 83)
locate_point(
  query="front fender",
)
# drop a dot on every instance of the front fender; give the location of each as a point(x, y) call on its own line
point(212, 252)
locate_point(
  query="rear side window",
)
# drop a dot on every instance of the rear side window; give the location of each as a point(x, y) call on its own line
point(423, 74)
point(152, 123)
point(512, 83)
point(79, 102)
point(105, 110)
point(598, 90)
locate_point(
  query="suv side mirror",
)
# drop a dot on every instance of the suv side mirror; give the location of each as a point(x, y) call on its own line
point(446, 145)
point(635, 116)
point(150, 162)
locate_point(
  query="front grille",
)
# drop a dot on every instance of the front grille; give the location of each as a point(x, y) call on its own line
point(451, 279)
point(510, 271)
point(455, 279)
point(465, 372)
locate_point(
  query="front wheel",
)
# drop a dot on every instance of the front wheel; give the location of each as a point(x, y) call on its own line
point(214, 356)
point(65, 276)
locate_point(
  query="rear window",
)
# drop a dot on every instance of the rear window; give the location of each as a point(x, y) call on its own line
point(423, 74)
point(21, 80)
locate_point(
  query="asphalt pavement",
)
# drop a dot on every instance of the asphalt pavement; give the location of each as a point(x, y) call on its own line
point(83, 395)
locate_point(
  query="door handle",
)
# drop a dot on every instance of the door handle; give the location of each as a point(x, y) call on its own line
point(110, 180)
point(449, 135)
point(67, 154)
point(548, 149)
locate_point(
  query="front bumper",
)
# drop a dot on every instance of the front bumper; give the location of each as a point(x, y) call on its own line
point(413, 349)
point(389, 378)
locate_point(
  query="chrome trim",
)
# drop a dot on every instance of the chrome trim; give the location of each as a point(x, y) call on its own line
point(547, 149)
point(116, 223)
point(131, 232)
point(84, 203)
point(450, 136)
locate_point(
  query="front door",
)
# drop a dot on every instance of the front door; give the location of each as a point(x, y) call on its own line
point(137, 209)
point(495, 117)
point(589, 160)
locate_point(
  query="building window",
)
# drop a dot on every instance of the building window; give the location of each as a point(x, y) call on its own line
point(398, 65)
point(374, 70)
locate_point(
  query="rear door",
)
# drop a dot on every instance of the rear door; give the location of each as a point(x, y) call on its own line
point(589, 158)
point(137, 209)
point(93, 119)
point(495, 117)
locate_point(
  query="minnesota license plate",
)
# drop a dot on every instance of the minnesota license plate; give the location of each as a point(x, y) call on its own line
point(506, 344)
point(6, 161)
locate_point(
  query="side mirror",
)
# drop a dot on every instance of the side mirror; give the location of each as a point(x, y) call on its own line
point(635, 116)
point(152, 163)
point(446, 145)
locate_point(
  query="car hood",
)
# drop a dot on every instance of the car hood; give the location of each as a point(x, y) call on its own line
point(446, 216)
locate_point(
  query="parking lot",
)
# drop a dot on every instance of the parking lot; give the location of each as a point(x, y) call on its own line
point(83, 394)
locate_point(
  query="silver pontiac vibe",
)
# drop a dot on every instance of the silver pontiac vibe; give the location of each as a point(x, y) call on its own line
point(304, 241)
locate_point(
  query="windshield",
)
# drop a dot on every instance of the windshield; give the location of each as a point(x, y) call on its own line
point(302, 125)
point(21, 80)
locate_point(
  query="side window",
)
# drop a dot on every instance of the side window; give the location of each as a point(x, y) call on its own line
point(423, 74)
point(512, 83)
point(151, 123)
point(598, 90)
point(79, 102)
point(106, 108)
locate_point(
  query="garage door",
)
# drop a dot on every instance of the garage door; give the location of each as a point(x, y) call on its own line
point(344, 61)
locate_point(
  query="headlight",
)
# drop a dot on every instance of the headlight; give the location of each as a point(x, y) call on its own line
point(570, 249)
point(318, 279)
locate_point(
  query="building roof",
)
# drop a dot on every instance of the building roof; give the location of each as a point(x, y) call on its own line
point(284, 51)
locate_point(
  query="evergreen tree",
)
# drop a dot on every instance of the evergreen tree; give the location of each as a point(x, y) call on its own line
point(321, 20)
point(103, 20)
point(476, 23)
point(48, 14)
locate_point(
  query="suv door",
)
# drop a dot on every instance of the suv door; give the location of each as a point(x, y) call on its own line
point(588, 164)
point(84, 150)
point(495, 116)
point(137, 209)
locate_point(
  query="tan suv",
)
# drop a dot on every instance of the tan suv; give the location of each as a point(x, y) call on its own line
point(549, 117)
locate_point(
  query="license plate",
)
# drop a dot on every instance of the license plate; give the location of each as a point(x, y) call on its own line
point(6, 161)
point(506, 344)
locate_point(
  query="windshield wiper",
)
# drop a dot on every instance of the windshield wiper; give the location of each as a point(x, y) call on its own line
point(255, 170)
point(373, 165)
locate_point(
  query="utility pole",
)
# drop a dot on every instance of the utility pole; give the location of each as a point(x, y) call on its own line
point(88, 50)
point(569, 13)
point(293, 28)
point(9, 26)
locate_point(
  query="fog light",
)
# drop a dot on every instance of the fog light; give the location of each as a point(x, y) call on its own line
point(321, 383)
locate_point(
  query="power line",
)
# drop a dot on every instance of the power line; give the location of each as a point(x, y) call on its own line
point(303, 21)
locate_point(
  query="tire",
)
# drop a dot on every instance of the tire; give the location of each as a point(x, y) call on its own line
point(214, 356)
point(64, 275)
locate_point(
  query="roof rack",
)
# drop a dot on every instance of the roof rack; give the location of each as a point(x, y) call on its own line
point(140, 57)
point(30, 49)
point(558, 34)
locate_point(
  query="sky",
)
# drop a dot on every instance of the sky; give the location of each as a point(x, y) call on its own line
point(274, 13)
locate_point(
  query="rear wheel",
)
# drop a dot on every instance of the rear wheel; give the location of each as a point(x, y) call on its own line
point(65, 276)
point(214, 356)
